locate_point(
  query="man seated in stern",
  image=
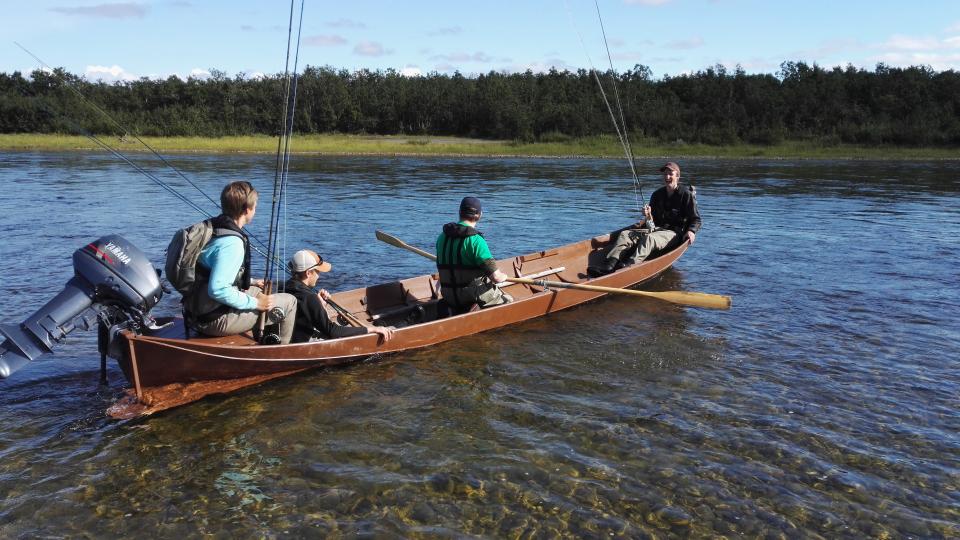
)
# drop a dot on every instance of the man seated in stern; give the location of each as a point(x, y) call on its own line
point(312, 322)
point(671, 214)
point(229, 303)
point(468, 272)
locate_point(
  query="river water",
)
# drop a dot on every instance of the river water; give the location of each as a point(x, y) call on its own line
point(823, 405)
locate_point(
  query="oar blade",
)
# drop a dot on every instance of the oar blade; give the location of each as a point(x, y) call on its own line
point(696, 299)
point(392, 240)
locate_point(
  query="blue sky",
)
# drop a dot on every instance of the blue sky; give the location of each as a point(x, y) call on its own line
point(159, 38)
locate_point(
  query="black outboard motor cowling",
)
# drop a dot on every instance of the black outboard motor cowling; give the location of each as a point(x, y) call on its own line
point(113, 282)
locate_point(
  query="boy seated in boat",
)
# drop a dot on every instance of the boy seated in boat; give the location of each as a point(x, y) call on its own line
point(312, 322)
point(672, 214)
point(468, 272)
point(226, 302)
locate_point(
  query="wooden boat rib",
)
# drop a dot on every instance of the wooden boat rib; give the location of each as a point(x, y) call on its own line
point(166, 357)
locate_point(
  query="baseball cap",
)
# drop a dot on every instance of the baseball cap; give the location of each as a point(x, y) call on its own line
point(670, 165)
point(471, 205)
point(306, 259)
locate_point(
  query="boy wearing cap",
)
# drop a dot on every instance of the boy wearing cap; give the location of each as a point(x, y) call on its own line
point(468, 272)
point(672, 213)
point(312, 321)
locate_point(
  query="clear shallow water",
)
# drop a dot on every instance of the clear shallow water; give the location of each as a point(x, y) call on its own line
point(824, 404)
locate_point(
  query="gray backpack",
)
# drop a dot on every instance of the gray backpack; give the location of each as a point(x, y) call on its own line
point(183, 252)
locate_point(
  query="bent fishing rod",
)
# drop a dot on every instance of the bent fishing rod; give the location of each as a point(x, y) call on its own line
point(621, 127)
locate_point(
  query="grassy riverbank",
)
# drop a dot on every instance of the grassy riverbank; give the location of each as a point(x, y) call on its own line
point(453, 146)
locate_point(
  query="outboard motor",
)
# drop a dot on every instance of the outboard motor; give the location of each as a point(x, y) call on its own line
point(113, 283)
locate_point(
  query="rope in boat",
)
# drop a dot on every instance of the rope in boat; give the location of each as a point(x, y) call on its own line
point(619, 127)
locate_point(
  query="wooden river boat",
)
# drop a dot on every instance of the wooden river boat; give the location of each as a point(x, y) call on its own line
point(167, 369)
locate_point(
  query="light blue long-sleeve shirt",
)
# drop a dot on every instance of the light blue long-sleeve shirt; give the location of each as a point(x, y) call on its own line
point(224, 257)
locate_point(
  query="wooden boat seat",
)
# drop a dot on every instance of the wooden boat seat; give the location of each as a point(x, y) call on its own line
point(398, 297)
point(384, 296)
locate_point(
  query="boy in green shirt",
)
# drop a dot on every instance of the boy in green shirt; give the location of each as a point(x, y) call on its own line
point(468, 272)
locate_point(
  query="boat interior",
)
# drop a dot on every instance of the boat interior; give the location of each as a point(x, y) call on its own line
point(417, 300)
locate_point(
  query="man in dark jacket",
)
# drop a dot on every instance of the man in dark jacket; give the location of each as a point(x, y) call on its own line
point(468, 272)
point(312, 321)
point(671, 214)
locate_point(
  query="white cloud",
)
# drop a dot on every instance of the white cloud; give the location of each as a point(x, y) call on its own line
point(907, 43)
point(827, 48)
point(324, 40)
point(447, 31)
point(955, 27)
point(370, 48)
point(937, 61)
point(346, 23)
point(198, 73)
point(464, 57)
point(666, 59)
point(691, 43)
point(110, 11)
point(902, 51)
point(647, 2)
point(108, 74)
point(627, 56)
point(411, 71)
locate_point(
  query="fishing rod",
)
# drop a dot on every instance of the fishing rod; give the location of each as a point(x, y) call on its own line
point(283, 143)
point(76, 91)
point(622, 135)
point(117, 124)
point(616, 92)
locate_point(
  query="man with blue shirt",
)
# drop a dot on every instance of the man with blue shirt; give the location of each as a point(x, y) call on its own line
point(468, 272)
point(226, 301)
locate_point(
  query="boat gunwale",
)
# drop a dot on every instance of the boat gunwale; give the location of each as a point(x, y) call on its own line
point(320, 350)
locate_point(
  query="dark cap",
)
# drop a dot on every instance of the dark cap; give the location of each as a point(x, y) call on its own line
point(470, 206)
point(670, 165)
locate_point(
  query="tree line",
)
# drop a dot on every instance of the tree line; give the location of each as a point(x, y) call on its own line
point(913, 106)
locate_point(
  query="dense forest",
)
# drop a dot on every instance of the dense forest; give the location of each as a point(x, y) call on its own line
point(914, 106)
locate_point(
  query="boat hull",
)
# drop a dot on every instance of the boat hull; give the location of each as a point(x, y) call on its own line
point(167, 358)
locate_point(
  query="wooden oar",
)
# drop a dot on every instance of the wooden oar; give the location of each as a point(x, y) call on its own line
point(696, 299)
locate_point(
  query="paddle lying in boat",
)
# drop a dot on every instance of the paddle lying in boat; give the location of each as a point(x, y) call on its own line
point(696, 299)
